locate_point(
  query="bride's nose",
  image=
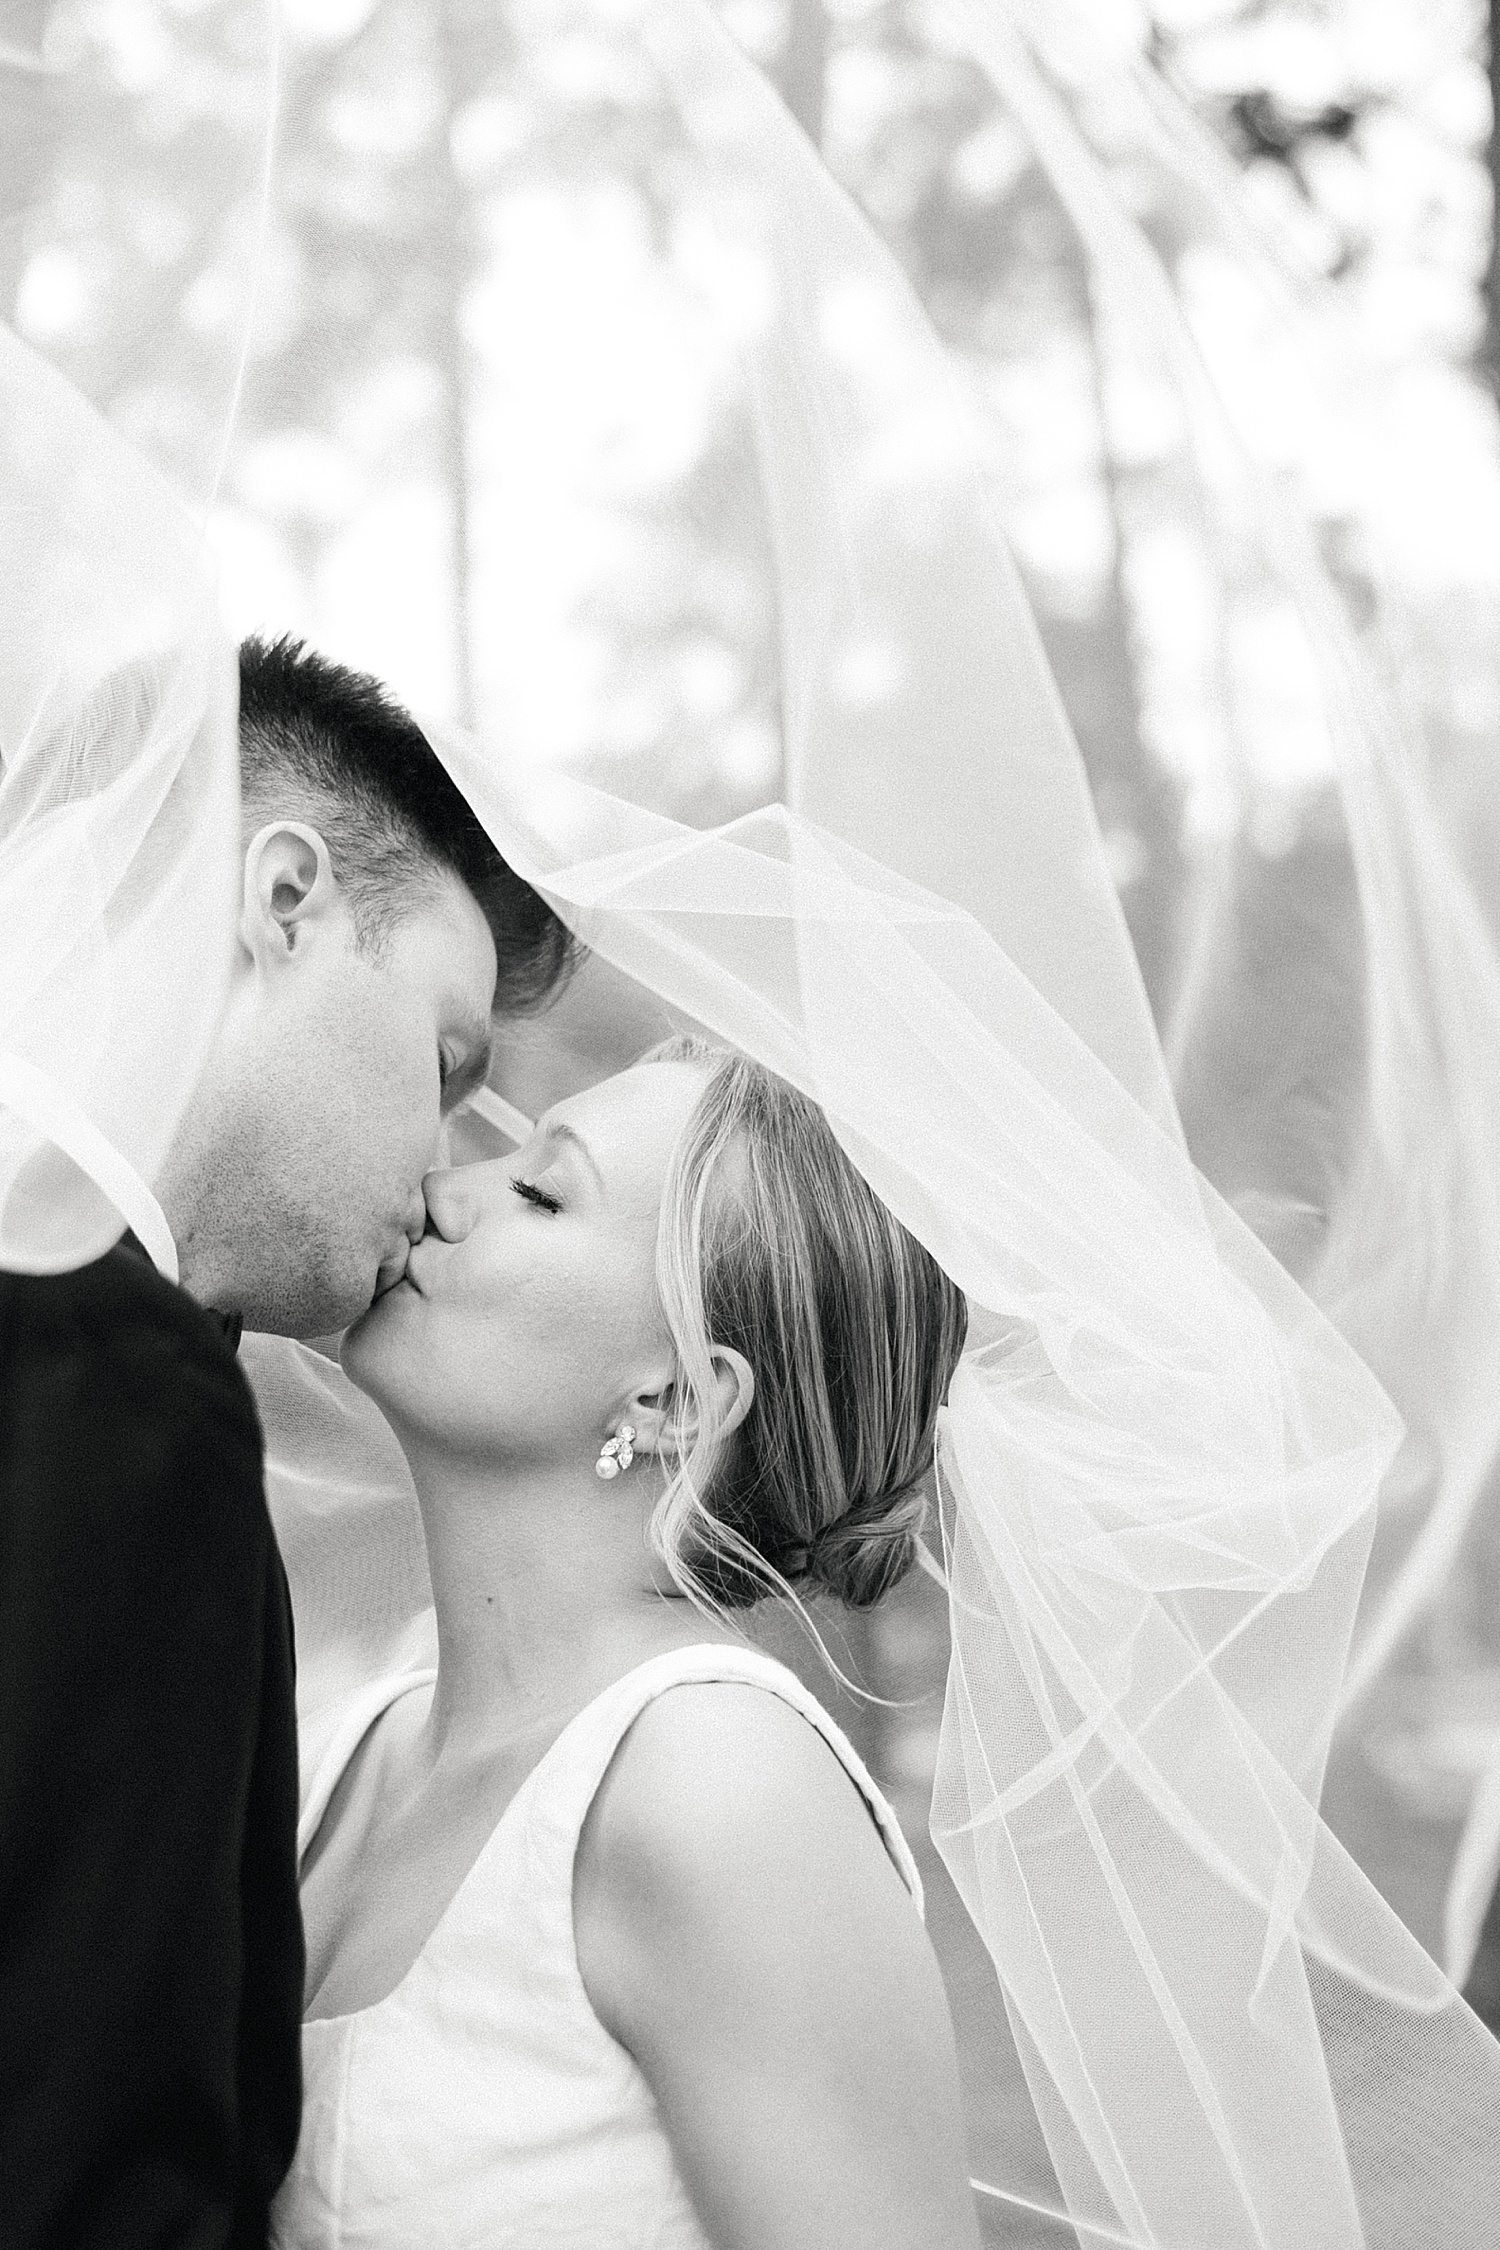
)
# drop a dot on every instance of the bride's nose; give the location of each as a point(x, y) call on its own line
point(448, 1203)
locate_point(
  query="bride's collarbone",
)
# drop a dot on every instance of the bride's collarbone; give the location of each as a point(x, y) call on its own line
point(400, 1837)
point(403, 1830)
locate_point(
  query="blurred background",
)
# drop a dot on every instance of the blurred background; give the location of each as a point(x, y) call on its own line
point(444, 261)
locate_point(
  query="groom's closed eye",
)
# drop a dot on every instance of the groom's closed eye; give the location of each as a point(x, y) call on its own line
point(460, 1077)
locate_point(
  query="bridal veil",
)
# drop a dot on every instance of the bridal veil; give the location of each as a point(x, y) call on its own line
point(1195, 1195)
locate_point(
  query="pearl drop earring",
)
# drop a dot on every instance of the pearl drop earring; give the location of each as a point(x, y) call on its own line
point(616, 1453)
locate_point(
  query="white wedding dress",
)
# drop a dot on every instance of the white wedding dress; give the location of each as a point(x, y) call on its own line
point(482, 2102)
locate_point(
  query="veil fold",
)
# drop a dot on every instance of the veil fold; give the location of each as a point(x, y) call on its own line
point(119, 811)
point(1159, 1465)
point(1161, 1460)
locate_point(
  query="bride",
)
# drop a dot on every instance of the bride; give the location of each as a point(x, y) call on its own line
point(611, 1937)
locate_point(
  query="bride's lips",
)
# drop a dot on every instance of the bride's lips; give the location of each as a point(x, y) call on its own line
point(411, 1280)
point(408, 1270)
point(392, 1272)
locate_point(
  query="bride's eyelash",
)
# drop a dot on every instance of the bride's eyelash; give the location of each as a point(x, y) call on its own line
point(536, 1195)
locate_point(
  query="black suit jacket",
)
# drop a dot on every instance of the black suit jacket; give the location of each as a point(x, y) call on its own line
point(151, 1957)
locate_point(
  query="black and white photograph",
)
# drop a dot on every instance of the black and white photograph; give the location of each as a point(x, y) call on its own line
point(749, 1124)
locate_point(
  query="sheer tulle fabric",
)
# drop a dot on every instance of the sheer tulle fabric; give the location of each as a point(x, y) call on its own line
point(1330, 996)
point(118, 821)
point(1161, 1460)
point(1160, 1466)
point(118, 770)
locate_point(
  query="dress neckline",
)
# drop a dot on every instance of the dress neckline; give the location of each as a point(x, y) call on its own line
point(407, 1683)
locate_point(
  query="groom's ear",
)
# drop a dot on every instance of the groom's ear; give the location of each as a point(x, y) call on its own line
point(666, 1422)
point(289, 891)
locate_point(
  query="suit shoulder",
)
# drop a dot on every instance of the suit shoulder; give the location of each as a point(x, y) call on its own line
point(118, 1295)
point(121, 1340)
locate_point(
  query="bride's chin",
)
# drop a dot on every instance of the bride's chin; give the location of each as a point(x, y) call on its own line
point(361, 1350)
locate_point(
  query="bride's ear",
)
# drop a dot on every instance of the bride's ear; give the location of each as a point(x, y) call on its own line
point(662, 1423)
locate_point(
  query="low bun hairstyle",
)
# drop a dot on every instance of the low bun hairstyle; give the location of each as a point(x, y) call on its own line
point(772, 1244)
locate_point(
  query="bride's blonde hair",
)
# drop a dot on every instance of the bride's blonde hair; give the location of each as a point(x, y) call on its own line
point(771, 1243)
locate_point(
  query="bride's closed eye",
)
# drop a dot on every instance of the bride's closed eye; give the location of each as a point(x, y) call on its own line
point(533, 1194)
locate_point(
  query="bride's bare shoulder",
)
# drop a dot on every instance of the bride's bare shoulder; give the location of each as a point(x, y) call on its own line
point(710, 1766)
point(727, 1820)
point(744, 1934)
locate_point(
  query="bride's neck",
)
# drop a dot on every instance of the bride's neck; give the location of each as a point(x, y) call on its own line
point(542, 1593)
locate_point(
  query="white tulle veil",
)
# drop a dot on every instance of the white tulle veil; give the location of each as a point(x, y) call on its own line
point(118, 812)
point(1163, 1457)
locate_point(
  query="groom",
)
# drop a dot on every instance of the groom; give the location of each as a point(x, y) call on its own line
point(150, 1943)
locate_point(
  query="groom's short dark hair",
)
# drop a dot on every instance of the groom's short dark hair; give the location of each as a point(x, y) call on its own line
point(330, 746)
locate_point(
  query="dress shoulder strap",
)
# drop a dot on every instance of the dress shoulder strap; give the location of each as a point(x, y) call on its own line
point(569, 1776)
point(322, 1773)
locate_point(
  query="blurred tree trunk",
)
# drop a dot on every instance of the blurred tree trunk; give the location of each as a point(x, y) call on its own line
point(804, 65)
point(1483, 1989)
point(449, 351)
point(1130, 792)
point(802, 76)
point(27, 97)
point(803, 79)
point(1490, 347)
point(1096, 662)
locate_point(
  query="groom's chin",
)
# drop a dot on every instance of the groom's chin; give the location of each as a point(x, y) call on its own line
point(320, 1317)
